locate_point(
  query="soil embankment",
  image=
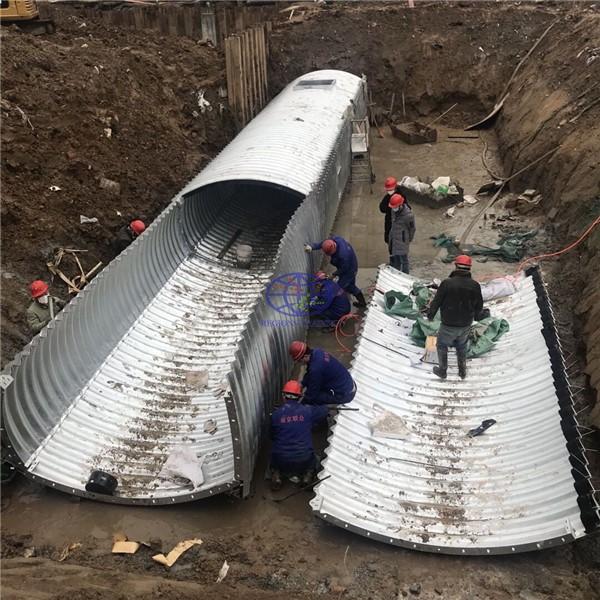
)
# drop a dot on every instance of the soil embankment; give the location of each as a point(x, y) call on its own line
point(92, 103)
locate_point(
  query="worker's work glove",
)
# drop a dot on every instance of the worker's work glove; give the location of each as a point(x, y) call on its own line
point(307, 248)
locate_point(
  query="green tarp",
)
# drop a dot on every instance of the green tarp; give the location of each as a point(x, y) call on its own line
point(510, 247)
point(483, 334)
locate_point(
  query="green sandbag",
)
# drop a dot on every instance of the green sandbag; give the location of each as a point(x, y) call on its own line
point(399, 304)
point(422, 295)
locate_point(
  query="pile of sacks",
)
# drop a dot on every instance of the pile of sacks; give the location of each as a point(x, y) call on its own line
point(441, 191)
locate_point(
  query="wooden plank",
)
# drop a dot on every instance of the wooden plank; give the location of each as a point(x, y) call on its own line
point(243, 86)
point(255, 96)
point(259, 73)
point(265, 55)
point(248, 76)
point(229, 72)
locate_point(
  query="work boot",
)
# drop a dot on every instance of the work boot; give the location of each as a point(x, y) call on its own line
point(360, 300)
point(442, 369)
point(308, 477)
point(276, 482)
point(462, 366)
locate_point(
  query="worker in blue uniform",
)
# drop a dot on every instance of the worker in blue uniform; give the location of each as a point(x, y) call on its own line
point(328, 301)
point(292, 451)
point(326, 381)
point(343, 258)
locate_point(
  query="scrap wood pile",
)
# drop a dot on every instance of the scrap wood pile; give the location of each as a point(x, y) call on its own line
point(75, 283)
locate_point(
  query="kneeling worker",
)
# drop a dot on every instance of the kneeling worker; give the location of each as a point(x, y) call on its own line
point(459, 298)
point(292, 451)
point(43, 308)
point(326, 381)
point(329, 302)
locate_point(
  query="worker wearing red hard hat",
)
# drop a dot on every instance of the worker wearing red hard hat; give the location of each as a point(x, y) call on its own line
point(292, 451)
point(343, 258)
point(390, 186)
point(328, 301)
point(459, 300)
point(43, 307)
point(326, 381)
point(402, 232)
point(127, 234)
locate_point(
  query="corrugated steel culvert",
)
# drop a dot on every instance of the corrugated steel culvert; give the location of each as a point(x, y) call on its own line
point(523, 485)
point(113, 382)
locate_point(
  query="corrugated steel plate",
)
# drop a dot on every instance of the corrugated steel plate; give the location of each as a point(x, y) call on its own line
point(437, 489)
point(107, 384)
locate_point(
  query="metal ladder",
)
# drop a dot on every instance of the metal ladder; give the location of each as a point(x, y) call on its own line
point(362, 170)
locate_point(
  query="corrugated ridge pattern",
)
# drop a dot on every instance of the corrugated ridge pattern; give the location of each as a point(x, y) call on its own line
point(86, 394)
point(439, 490)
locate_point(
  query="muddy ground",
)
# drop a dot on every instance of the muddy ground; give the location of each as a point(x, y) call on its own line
point(145, 90)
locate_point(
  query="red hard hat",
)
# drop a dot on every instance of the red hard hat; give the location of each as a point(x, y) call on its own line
point(298, 349)
point(329, 247)
point(137, 227)
point(463, 260)
point(292, 387)
point(320, 275)
point(396, 200)
point(390, 183)
point(38, 288)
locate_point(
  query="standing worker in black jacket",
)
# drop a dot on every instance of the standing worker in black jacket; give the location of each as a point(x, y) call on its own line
point(459, 298)
point(390, 188)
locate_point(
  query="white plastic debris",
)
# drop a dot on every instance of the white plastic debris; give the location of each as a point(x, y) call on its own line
point(470, 200)
point(223, 572)
point(498, 288)
point(108, 132)
point(54, 188)
point(412, 183)
point(183, 463)
point(203, 103)
point(450, 212)
point(84, 219)
point(436, 183)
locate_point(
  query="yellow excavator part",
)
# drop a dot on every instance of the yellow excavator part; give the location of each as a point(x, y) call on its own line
point(18, 10)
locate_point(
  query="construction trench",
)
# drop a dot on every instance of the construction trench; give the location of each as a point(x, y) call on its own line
point(460, 54)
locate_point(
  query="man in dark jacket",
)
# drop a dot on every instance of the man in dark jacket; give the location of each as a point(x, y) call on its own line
point(460, 301)
point(402, 232)
point(328, 302)
point(343, 258)
point(326, 381)
point(384, 206)
point(292, 451)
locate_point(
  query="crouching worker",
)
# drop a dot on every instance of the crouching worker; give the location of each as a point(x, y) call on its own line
point(328, 302)
point(460, 302)
point(43, 308)
point(343, 258)
point(326, 381)
point(292, 452)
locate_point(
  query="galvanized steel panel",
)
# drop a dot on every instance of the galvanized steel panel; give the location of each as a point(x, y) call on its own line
point(437, 489)
point(106, 384)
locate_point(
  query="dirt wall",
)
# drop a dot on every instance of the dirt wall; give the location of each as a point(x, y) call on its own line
point(555, 100)
point(89, 103)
